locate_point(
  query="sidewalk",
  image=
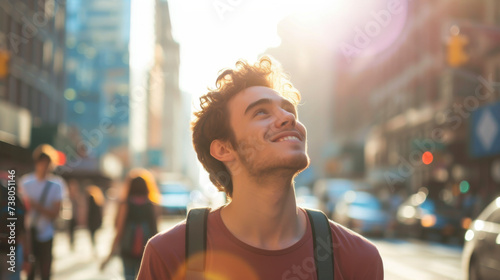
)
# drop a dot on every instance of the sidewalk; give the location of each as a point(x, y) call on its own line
point(83, 263)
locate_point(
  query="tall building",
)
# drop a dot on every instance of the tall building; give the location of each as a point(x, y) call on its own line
point(160, 136)
point(98, 77)
point(32, 38)
point(165, 107)
point(425, 93)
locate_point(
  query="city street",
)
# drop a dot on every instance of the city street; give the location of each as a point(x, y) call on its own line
point(415, 259)
point(403, 259)
point(83, 263)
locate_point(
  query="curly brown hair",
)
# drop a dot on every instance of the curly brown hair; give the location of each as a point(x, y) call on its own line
point(212, 120)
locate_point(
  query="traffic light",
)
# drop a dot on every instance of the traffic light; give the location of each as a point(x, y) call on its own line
point(4, 63)
point(427, 158)
point(457, 54)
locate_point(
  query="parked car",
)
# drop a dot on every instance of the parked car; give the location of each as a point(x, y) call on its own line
point(175, 197)
point(362, 212)
point(481, 254)
point(422, 215)
point(330, 191)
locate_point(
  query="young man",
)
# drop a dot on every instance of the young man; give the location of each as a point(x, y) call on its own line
point(248, 137)
point(43, 193)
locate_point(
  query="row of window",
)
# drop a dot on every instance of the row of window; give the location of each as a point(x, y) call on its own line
point(46, 14)
point(40, 54)
point(25, 40)
point(37, 102)
point(33, 33)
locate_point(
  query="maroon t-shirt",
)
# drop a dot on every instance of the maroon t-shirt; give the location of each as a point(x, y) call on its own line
point(229, 258)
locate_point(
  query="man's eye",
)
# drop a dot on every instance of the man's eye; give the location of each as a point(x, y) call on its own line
point(260, 112)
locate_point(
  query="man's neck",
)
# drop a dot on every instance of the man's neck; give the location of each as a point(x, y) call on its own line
point(263, 213)
point(41, 176)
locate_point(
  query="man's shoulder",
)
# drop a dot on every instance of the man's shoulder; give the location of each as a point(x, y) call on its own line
point(173, 240)
point(351, 241)
point(27, 178)
point(56, 179)
point(164, 255)
point(30, 178)
point(176, 232)
point(170, 241)
point(355, 251)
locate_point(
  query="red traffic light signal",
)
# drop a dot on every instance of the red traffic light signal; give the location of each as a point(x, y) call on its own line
point(427, 158)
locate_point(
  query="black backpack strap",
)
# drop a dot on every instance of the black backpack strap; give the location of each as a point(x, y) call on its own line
point(196, 242)
point(322, 241)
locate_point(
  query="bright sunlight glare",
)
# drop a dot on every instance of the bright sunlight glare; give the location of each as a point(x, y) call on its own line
point(215, 34)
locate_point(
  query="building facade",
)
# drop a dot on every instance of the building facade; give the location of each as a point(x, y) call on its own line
point(32, 40)
point(165, 110)
point(97, 82)
point(424, 94)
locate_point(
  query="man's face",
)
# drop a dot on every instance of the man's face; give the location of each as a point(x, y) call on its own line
point(268, 135)
point(42, 166)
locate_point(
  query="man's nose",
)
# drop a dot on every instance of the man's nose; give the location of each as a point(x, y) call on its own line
point(285, 118)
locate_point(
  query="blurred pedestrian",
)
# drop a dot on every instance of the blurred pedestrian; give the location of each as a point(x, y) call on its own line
point(74, 197)
point(95, 203)
point(136, 220)
point(44, 193)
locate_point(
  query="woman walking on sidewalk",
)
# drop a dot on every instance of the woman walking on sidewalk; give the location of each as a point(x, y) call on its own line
point(136, 220)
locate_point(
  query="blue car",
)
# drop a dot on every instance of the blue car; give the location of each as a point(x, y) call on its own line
point(422, 216)
point(362, 212)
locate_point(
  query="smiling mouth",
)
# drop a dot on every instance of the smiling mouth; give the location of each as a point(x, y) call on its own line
point(287, 138)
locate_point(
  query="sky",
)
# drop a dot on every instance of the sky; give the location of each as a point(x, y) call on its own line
point(214, 34)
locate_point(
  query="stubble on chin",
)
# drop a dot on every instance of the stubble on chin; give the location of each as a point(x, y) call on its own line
point(257, 164)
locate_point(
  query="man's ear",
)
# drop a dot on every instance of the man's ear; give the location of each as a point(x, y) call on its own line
point(222, 150)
